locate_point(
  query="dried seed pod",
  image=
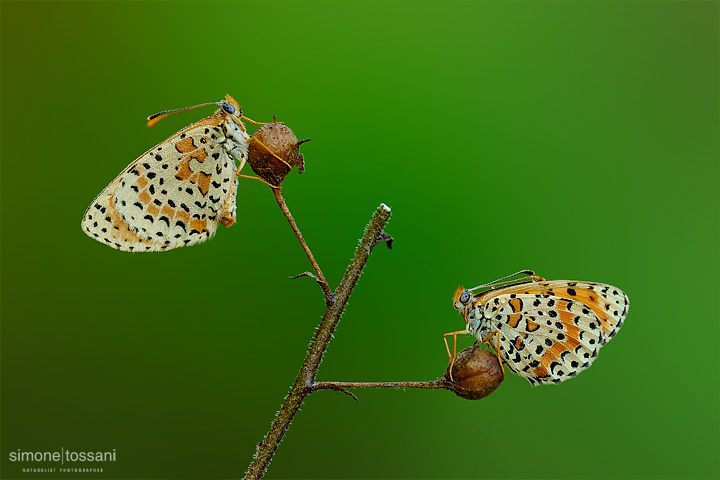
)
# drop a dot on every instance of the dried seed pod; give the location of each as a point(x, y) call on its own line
point(272, 152)
point(476, 373)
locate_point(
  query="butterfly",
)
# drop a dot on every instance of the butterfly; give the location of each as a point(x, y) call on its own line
point(546, 331)
point(176, 193)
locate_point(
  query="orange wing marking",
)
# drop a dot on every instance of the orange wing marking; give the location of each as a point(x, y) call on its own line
point(201, 155)
point(199, 225)
point(183, 169)
point(514, 319)
point(186, 145)
point(203, 182)
point(145, 197)
point(516, 304)
point(532, 326)
point(184, 216)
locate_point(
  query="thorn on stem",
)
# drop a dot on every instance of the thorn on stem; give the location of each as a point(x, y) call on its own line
point(384, 237)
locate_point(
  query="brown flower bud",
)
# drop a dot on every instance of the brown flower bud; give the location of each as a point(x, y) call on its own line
point(476, 373)
point(273, 151)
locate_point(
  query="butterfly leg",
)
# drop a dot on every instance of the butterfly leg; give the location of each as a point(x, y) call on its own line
point(260, 179)
point(454, 351)
point(496, 347)
point(237, 174)
point(250, 120)
point(240, 167)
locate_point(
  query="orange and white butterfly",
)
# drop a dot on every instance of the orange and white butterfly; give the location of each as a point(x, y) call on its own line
point(545, 331)
point(177, 192)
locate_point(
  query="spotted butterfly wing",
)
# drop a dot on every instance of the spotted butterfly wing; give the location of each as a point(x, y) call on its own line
point(548, 331)
point(176, 193)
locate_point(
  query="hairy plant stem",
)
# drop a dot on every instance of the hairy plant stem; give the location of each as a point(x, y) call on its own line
point(304, 383)
point(435, 384)
point(277, 192)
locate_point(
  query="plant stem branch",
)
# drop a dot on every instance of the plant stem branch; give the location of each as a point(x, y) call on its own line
point(277, 192)
point(439, 383)
point(305, 380)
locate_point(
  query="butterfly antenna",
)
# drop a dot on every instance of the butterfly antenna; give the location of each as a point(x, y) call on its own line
point(521, 272)
point(153, 119)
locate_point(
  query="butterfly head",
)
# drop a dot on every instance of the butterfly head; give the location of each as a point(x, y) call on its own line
point(461, 299)
point(230, 106)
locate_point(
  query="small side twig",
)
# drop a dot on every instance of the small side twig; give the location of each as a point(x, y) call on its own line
point(277, 192)
point(305, 380)
point(307, 274)
point(475, 374)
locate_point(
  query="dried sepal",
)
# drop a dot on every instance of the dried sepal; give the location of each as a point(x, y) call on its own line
point(476, 373)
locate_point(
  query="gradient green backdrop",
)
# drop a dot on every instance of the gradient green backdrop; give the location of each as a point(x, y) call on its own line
point(579, 139)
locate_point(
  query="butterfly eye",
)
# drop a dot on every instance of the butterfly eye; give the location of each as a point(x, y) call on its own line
point(228, 108)
point(465, 297)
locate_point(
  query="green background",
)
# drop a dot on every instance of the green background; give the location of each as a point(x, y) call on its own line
point(579, 139)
